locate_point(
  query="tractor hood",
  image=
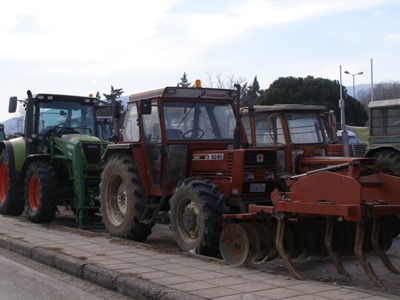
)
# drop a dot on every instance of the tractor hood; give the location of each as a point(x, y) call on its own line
point(79, 138)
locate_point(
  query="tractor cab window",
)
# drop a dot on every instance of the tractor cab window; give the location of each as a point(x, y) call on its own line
point(199, 121)
point(62, 114)
point(268, 129)
point(385, 121)
point(304, 128)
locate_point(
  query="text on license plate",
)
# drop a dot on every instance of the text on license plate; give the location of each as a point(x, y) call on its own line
point(257, 187)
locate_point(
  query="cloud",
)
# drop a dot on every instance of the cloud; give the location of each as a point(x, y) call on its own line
point(392, 37)
point(101, 37)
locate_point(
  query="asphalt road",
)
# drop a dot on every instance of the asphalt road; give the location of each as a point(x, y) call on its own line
point(23, 278)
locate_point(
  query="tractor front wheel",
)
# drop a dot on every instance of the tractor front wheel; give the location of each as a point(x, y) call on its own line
point(41, 192)
point(196, 210)
point(122, 199)
point(11, 200)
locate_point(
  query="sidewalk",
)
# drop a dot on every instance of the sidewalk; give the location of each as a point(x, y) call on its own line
point(142, 272)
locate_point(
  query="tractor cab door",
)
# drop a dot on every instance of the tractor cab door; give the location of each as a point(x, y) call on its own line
point(167, 162)
point(153, 143)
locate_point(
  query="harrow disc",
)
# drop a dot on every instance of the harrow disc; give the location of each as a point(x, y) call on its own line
point(234, 244)
point(266, 242)
point(254, 242)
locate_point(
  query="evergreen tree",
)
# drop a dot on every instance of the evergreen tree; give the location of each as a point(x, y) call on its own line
point(184, 81)
point(114, 95)
point(252, 93)
point(314, 91)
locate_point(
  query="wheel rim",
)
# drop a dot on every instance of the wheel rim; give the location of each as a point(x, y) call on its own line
point(116, 201)
point(3, 182)
point(34, 198)
point(189, 221)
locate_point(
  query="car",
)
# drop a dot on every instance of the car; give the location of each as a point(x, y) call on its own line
point(357, 148)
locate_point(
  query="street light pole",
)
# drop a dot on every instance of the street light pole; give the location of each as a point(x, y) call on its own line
point(354, 82)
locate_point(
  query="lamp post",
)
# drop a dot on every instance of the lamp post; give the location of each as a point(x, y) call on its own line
point(354, 86)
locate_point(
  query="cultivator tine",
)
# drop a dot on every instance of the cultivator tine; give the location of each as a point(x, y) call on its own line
point(280, 233)
point(328, 245)
point(358, 251)
point(378, 249)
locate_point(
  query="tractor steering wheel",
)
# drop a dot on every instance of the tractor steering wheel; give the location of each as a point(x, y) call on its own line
point(199, 133)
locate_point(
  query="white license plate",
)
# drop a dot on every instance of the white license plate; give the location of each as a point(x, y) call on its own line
point(257, 187)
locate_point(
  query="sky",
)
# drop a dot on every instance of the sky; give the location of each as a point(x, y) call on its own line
point(82, 47)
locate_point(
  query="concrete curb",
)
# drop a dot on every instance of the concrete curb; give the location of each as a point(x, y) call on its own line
point(128, 285)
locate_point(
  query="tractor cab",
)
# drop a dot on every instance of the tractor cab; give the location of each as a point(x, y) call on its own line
point(171, 123)
point(54, 115)
point(295, 130)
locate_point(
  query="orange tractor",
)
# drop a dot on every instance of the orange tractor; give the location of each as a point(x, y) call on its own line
point(323, 205)
point(183, 150)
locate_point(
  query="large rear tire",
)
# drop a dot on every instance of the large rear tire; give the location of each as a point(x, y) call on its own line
point(196, 210)
point(11, 200)
point(388, 161)
point(41, 192)
point(122, 199)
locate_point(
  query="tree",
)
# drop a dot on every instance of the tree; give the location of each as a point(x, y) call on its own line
point(250, 93)
point(114, 95)
point(220, 83)
point(382, 91)
point(314, 91)
point(184, 81)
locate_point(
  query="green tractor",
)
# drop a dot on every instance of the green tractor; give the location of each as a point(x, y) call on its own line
point(384, 134)
point(55, 162)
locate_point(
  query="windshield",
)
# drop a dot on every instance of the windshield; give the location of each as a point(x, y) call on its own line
point(199, 120)
point(304, 128)
point(66, 114)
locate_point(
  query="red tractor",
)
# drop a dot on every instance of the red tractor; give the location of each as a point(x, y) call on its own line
point(183, 150)
point(323, 204)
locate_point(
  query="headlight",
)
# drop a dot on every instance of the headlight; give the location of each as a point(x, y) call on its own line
point(269, 175)
point(248, 175)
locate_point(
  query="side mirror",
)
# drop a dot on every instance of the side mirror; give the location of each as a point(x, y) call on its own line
point(145, 107)
point(12, 105)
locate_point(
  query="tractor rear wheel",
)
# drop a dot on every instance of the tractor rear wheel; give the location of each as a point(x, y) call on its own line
point(11, 200)
point(196, 210)
point(41, 192)
point(388, 161)
point(122, 199)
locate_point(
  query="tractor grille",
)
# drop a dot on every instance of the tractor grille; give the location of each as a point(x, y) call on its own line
point(92, 153)
point(260, 159)
point(359, 149)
